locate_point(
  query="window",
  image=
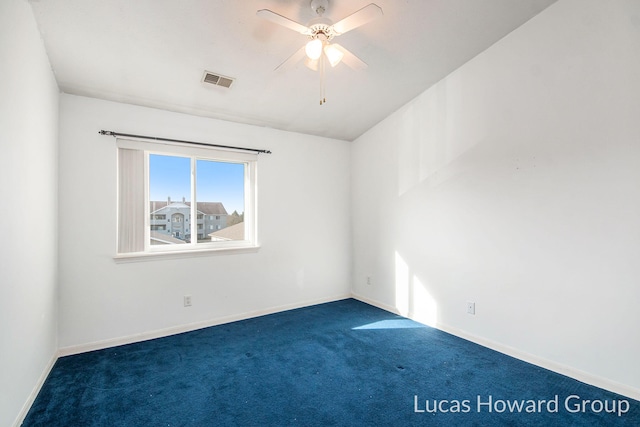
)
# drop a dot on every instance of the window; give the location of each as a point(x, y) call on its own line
point(161, 186)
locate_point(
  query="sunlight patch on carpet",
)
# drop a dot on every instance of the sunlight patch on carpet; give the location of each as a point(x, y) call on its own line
point(391, 324)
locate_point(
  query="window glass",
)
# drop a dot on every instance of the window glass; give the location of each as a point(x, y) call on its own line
point(220, 198)
point(169, 198)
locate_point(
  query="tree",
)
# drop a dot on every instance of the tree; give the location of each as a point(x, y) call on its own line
point(235, 218)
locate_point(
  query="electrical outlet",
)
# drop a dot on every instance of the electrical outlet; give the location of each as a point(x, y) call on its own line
point(369, 280)
point(471, 307)
point(187, 300)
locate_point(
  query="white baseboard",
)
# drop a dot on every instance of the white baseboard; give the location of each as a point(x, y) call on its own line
point(160, 333)
point(375, 303)
point(559, 368)
point(34, 393)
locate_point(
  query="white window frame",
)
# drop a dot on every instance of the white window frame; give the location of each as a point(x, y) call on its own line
point(249, 160)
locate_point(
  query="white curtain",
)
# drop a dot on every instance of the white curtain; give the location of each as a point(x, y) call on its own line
point(130, 200)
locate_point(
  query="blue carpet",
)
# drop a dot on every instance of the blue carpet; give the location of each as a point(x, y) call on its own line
point(343, 363)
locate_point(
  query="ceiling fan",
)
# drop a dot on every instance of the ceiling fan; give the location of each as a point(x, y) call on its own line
point(321, 31)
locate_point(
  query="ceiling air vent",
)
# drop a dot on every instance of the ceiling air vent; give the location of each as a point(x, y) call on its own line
point(217, 79)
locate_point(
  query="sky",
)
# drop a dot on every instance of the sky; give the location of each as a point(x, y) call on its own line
point(169, 176)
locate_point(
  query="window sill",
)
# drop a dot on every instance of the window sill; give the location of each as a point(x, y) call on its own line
point(152, 256)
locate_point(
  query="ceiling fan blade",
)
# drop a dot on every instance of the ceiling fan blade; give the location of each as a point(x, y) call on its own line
point(281, 20)
point(292, 60)
point(350, 59)
point(358, 18)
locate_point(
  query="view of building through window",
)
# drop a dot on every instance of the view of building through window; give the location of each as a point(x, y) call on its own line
point(219, 200)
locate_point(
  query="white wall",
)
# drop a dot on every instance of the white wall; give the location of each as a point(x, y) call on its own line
point(28, 209)
point(303, 230)
point(515, 183)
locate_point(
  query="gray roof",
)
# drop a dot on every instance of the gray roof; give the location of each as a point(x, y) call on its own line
point(154, 206)
point(233, 232)
point(207, 208)
point(165, 238)
point(212, 208)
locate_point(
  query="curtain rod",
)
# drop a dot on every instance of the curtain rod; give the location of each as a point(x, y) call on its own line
point(155, 138)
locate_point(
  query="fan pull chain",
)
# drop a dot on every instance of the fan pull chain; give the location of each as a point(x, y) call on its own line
point(323, 99)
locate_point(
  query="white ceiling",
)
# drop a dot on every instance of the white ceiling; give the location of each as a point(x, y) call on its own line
point(154, 53)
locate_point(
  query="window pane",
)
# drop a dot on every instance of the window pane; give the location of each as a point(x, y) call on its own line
point(169, 199)
point(220, 201)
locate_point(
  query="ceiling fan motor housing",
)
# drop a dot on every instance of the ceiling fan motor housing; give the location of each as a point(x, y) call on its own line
point(321, 28)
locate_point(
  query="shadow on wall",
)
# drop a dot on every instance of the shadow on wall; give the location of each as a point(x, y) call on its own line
point(431, 143)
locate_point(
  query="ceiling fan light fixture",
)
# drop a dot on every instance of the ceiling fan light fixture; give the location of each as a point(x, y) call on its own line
point(314, 49)
point(321, 31)
point(334, 55)
point(312, 64)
